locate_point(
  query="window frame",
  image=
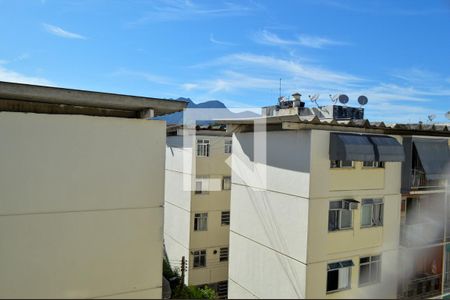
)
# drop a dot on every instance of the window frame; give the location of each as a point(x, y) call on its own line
point(203, 148)
point(373, 164)
point(222, 218)
point(223, 183)
point(371, 262)
point(204, 185)
point(201, 221)
point(228, 146)
point(338, 164)
point(375, 202)
point(224, 254)
point(348, 265)
point(339, 211)
point(199, 255)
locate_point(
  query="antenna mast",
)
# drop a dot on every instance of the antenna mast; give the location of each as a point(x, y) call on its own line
point(280, 88)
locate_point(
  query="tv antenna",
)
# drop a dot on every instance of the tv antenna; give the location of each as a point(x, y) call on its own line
point(334, 98)
point(314, 98)
point(431, 117)
point(343, 99)
point(362, 100)
point(280, 88)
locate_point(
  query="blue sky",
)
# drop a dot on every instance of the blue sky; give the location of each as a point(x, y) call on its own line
point(395, 52)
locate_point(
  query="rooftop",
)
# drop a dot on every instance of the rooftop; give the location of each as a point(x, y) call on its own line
point(296, 122)
point(54, 100)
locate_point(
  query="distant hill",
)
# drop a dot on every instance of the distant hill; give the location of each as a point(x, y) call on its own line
point(177, 118)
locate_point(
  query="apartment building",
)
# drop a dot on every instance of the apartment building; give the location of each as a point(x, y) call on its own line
point(81, 193)
point(319, 216)
point(197, 204)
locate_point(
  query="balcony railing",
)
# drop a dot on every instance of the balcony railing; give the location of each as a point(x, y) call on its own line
point(421, 234)
point(423, 286)
point(419, 181)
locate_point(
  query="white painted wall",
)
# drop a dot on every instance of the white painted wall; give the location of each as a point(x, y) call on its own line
point(177, 206)
point(268, 236)
point(80, 206)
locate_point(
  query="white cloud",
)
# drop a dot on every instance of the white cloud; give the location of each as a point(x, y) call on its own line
point(58, 31)
point(213, 40)
point(179, 10)
point(143, 75)
point(189, 86)
point(12, 76)
point(289, 68)
point(269, 38)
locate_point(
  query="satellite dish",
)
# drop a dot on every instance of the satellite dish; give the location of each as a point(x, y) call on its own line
point(343, 99)
point(362, 100)
point(431, 117)
point(447, 115)
point(334, 98)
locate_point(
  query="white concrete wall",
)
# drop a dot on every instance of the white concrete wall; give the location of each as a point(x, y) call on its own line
point(268, 235)
point(177, 206)
point(80, 206)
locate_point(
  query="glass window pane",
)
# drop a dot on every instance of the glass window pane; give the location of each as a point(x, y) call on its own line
point(364, 260)
point(333, 220)
point(346, 163)
point(336, 204)
point(366, 215)
point(364, 274)
point(346, 218)
point(375, 270)
point(332, 280)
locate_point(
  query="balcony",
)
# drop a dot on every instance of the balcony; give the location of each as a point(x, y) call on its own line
point(421, 234)
point(419, 181)
point(422, 286)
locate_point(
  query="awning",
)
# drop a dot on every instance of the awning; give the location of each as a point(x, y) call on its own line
point(341, 264)
point(434, 156)
point(345, 146)
point(387, 148)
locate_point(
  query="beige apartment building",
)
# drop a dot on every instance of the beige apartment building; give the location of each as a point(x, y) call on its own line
point(81, 193)
point(197, 204)
point(319, 214)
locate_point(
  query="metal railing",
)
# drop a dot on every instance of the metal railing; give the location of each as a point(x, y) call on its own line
point(423, 287)
point(420, 181)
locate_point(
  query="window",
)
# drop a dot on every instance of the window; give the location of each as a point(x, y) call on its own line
point(202, 147)
point(373, 164)
point(201, 222)
point(340, 215)
point(201, 185)
point(372, 212)
point(225, 218)
point(338, 275)
point(228, 146)
point(369, 270)
point(223, 254)
point(341, 164)
point(199, 258)
point(226, 183)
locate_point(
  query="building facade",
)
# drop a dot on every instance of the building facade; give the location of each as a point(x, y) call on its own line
point(81, 193)
point(424, 248)
point(326, 211)
point(197, 205)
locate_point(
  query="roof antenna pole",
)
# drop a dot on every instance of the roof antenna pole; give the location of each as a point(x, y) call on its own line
point(280, 88)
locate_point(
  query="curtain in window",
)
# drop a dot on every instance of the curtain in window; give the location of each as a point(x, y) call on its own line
point(343, 278)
